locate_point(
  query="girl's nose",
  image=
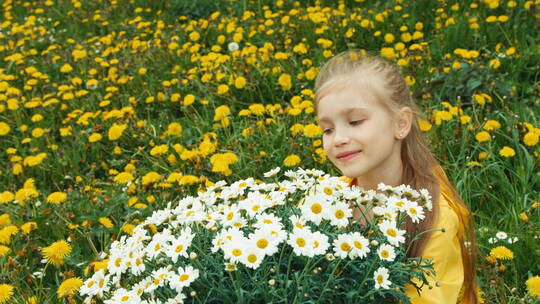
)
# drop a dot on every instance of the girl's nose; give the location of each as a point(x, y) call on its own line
point(340, 137)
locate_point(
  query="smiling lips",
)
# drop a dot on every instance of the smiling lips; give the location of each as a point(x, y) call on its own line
point(347, 155)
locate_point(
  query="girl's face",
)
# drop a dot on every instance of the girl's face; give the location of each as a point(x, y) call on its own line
point(359, 135)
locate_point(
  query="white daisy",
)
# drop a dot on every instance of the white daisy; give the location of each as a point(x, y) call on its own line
point(122, 295)
point(300, 241)
point(267, 220)
point(159, 243)
point(501, 235)
point(381, 278)
point(397, 203)
point(177, 248)
point(415, 212)
point(235, 250)
point(137, 264)
point(297, 221)
point(512, 240)
point(253, 257)
point(315, 208)
point(264, 241)
point(339, 214)
point(184, 278)
point(160, 276)
point(386, 252)
point(231, 215)
point(96, 285)
point(319, 243)
point(272, 172)
point(343, 245)
point(392, 233)
point(360, 246)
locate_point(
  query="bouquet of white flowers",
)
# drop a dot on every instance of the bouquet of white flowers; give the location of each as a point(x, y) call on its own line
point(309, 238)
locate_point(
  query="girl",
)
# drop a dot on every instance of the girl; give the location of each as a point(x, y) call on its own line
point(371, 135)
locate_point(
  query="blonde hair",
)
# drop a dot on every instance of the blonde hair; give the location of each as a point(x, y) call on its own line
point(420, 167)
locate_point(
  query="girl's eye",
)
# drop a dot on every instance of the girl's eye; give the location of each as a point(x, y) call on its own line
point(356, 122)
point(327, 131)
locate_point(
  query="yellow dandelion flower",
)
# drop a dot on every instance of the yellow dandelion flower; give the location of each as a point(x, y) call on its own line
point(312, 130)
point(312, 73)
point(291, 160)
point(240, 82)
point(56, 252)
point(257, 109)
point(221, 112)
point(222, 89)
point(106, 222)
point(285, 81)
point(28, 227)
point(95, 137)
point(4, 129)
point(116, 131)
point(388, 53)
point(159, 150)
point(507, 152)
point(530, 139)
point(150, 177)
point(482, 136)
point(3, 250)
point(533, 286)
point(495, 63)
point(5, 219)
point(501, 253)
point(424, 125)
point(491, 125)
point(78, 54)
point(123, 178)
point(174, 129)
point(188, 100)
point(6, 292)
point(66, 68)
point(6, 233)
point(69, 287)
point(56, 197)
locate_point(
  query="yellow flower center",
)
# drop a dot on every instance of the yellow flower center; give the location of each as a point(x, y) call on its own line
point(237, 252)
point(345, 246)
point(183, 277)
point(300, 242)
point(252, 258)
point(316, 208)
point(179, 248)
point(391, 232)
point(339, 214)
point(262, 243)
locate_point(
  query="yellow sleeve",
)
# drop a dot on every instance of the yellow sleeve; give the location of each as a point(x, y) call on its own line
point(444, 250)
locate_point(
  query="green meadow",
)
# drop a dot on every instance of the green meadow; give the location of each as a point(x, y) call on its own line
point(111, 109)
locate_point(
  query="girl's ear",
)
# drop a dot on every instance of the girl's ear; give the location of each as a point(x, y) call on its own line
point(403, 125)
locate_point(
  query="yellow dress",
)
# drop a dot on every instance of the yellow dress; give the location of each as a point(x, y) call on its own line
point(444, 250)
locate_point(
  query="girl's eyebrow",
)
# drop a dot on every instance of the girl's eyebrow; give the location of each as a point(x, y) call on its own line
point(344, 112)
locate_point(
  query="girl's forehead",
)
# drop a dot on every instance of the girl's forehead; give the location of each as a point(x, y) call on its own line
point(337, 98)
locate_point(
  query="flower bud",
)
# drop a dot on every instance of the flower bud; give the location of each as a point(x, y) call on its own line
point(374, 243)
point(193, 293)
point(193, 255)
point(272, 282)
